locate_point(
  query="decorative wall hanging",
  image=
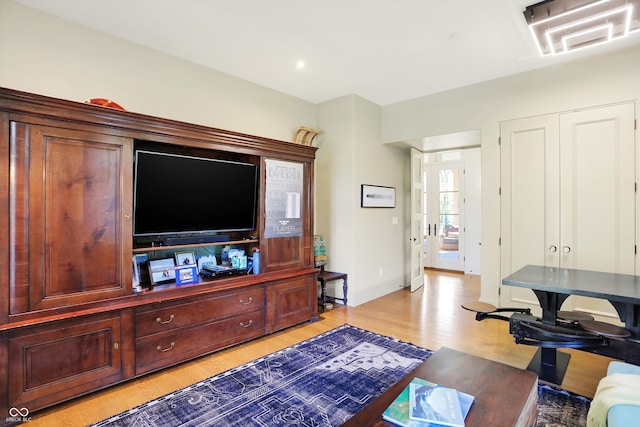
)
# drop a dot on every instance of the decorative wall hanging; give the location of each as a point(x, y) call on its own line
point(375, 196)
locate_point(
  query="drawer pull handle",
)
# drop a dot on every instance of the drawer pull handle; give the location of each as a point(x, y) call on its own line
point(247, 325)
point(248, 302)
point(159, 348)
point(164, 322)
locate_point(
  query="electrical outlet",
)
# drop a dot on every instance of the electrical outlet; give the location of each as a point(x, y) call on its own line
point(380, 272)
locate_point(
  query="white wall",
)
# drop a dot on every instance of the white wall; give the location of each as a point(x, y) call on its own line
point(379, 242)
point(363, 242)
point(600, 80)
point(47, 55)
point(335, 188)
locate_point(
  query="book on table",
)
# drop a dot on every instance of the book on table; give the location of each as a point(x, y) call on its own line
point(435, 405)
point(399, 411)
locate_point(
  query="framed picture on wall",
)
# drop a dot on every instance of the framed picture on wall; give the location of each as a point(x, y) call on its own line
point(376, 196)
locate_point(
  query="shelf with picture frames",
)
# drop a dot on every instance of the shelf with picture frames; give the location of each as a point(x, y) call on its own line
point(194, 245)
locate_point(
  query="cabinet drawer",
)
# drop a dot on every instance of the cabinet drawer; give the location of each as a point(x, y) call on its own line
point(174, 346)
point(52, 363)
point(169, 316)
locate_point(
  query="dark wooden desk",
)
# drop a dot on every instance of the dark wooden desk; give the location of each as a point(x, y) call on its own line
point(504, 395)
point(552, 286)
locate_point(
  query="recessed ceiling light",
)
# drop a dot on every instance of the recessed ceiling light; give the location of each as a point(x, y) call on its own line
point(301, 65)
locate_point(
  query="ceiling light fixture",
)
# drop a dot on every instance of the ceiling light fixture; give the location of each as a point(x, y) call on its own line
point(560, 26)
point(301, 65)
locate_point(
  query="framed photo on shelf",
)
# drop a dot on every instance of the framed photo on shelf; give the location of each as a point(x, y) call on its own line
point(376, 196)
point(136, 273)
point(185, 258)
point(186, 274)
point(162, 270)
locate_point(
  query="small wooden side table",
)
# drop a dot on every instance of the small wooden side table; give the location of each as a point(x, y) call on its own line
point(329, 276)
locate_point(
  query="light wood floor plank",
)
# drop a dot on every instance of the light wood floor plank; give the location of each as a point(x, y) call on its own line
point(431, 317)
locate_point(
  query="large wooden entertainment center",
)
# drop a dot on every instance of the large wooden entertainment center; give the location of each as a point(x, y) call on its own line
point(70, 322)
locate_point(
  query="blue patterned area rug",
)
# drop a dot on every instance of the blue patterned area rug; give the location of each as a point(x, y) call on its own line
point(322, 381)
point(561, 408)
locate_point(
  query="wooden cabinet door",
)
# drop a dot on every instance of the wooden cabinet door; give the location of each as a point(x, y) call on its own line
point(53, 363)
point(70, 216)
point(291, 301)
point(287, 222)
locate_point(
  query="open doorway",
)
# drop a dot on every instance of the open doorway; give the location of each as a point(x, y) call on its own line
point(443, 213)
point(451, 210)
point(461, 210)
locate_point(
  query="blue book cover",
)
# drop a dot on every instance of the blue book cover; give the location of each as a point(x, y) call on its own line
point(398, 412)
point(439, 405)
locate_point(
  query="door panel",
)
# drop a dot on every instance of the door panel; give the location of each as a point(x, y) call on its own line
point(71, 229)
point(417, 216)
point(444, 237)
point(598, 195)
point(530, 200)
point(286, 241)
point(55, 362)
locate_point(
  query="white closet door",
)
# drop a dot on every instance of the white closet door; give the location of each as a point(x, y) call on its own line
point(568, 197)
point(597, 196)
point(530, 205)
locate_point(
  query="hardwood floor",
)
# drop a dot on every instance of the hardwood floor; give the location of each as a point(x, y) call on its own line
point(431, 317)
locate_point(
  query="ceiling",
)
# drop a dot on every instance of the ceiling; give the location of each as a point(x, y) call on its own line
point(386, 51)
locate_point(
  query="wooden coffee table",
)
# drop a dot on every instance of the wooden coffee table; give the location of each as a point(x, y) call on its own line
point(504, 395)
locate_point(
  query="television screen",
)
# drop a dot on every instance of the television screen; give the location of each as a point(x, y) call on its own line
point(179, 194)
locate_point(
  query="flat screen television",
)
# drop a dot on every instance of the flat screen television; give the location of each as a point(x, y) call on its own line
point(181, 195)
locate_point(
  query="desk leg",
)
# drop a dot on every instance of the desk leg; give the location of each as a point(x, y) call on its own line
point(550, 365)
